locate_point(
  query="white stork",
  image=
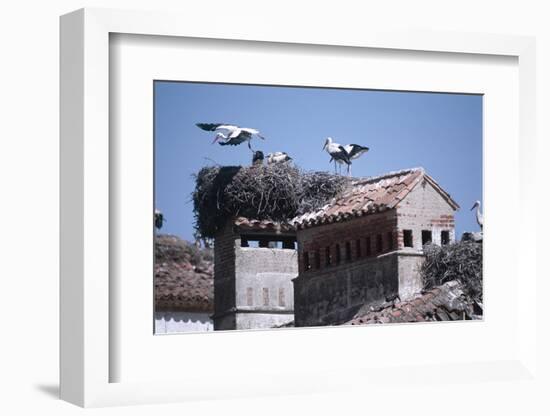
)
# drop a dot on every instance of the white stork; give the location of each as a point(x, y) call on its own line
point(354, 151)
point(277, 157)
point(479, 215)
point(336, 152)
point(228, 134)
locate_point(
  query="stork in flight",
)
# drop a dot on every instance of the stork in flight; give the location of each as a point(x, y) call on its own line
point(479, 215)
point(228, 134)
point(277, 157)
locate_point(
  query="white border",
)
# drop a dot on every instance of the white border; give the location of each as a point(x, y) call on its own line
point(136, 61)
point(85, 203)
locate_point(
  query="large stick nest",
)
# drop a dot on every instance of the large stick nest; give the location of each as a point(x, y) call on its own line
point(462, 261)
point(276, 192)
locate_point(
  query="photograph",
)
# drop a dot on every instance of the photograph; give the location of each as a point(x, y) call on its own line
point(296, 206)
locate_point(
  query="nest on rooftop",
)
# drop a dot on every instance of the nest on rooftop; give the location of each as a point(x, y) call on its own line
point(462, 261)
point(276, 192)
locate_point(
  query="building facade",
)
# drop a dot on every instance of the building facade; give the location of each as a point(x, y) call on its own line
point(255, 262)
point(184, 288)
point(366, 247)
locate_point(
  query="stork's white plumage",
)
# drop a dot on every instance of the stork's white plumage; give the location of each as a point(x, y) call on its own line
point(336, 152)
point(344, 154)
point(355, 150)
point(229, 134)
point(479, 215)
point(277, 157)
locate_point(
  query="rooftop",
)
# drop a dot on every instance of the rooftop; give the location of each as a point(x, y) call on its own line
point(363, 196)
point(370, 195)
point(447, 302)
point(246, 224)
point(184, 276)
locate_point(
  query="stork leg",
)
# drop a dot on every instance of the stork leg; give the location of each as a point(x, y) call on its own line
point(349, 169)
point(335, 166)
point(250, 147)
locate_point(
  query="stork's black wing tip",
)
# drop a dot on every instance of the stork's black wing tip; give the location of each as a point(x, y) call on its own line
point(208, 126)
point(344, 155)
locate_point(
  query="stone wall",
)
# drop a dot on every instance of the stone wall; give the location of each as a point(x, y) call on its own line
point(334, 294)
point(252, 285)
point(264, 286)
point(258, 320)
point(410, 279)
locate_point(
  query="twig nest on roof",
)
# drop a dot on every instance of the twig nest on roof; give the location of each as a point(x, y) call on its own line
point(276, 192)
point(461, 261)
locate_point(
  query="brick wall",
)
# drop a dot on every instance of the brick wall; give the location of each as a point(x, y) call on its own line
point(357, 237)
point(224, 272)
point(425, 209)
point(363, 261)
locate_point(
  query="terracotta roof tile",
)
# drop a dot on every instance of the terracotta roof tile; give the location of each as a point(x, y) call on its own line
point(260, 225)
point(369, 195)
point(444, 303)
point(182, 281)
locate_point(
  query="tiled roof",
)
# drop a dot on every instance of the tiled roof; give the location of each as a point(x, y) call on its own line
point(183, 280)
point(443, 303)
point(370, 195)
point(262, 225)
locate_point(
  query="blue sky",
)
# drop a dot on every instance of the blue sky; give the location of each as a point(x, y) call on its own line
point(440, 132)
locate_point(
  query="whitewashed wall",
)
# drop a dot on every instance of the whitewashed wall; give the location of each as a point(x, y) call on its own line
point(167, 322)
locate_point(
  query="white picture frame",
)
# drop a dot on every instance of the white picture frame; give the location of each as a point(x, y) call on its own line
point(86, 352)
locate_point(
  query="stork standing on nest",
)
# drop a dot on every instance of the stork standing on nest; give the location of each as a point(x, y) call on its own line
point(337, 152)
point(479, 215)
point(343, 154)
point(354, 151)
point(228, 134)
